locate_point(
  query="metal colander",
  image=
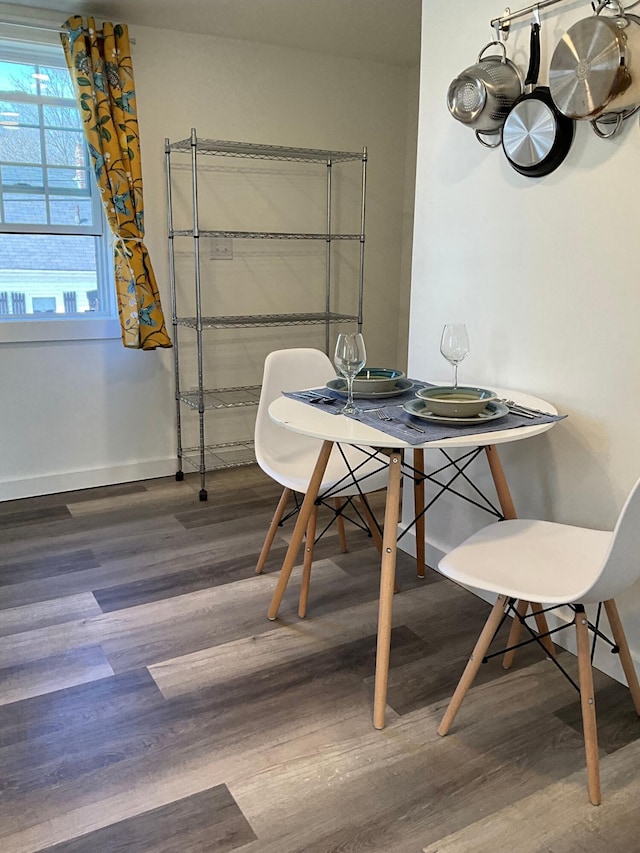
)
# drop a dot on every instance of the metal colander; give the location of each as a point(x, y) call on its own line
point(483, 94)
point(467, 96)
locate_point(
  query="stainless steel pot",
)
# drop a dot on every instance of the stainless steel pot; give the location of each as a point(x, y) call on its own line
point(592, 74)
point(482, 95)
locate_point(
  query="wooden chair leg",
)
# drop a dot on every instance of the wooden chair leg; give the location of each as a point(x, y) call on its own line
point(418, 506)
point(371, 524)
point(275, 521)
point(514, 635)
point(516, 629)
point(471, 670)
point(625, 655)
point(308, 560)
point(299, 530)
point(543, 628)
point(587, 701)
point(342, 536)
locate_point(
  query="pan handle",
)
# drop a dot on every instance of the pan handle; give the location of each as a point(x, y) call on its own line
point(534, 57)
point(486, 142)
point(607, 134)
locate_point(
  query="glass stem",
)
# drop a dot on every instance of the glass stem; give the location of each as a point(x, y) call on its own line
point(455, 375)
point(350, 391)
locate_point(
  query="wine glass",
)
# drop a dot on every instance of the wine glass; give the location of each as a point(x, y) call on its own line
point(350, 357)
point(454, 346)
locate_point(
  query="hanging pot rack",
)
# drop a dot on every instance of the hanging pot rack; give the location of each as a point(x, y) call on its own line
point(502, 25)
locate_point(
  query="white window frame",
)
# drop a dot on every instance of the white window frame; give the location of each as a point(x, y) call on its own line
point(61, 327)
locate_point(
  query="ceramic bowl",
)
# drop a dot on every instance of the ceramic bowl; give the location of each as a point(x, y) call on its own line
point(376, 379)
point(460, 402)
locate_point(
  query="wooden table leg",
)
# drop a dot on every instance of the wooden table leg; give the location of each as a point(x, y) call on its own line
point(418, 506)
point(387, 580)
point(310, 536)
point(500, 482)
point(509, 511)
point(300, 527)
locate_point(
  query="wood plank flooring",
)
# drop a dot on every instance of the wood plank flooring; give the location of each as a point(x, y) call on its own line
point(148, 705)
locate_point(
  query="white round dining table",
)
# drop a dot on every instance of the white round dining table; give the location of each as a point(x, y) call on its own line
point(330, 429)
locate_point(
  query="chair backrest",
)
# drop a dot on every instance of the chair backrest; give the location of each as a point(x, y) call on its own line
point(621, 567)
point(287, 370)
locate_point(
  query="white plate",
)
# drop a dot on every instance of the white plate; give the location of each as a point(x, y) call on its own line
point(420, 408)
point(340, 387)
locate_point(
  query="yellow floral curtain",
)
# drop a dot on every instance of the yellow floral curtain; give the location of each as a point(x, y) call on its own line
point(102, 72)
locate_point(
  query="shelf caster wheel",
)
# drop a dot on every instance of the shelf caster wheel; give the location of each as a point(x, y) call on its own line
point(203, 494)
point(179, 476)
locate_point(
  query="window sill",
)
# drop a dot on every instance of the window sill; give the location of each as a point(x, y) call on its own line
point(69, 329)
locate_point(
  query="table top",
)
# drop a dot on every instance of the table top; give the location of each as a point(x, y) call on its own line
point(312, 421)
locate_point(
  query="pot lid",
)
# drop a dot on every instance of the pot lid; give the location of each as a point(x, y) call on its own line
point(586, 64)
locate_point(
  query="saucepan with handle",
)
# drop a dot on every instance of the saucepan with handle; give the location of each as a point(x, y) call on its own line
point(594, 72)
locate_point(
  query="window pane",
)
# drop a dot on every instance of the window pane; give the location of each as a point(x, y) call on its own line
point(44, 304)
point(70, 211)
point(15, 77)
point(47, 184)
point(20, 145)
point(55, 82)
point(27, 209)
point(64, 147)
point(42, 273)
point(15, 112)
point(74, 181)
point(61, 117)
point(21, 176)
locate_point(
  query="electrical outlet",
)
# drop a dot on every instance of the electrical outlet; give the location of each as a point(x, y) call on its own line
point(221, 249)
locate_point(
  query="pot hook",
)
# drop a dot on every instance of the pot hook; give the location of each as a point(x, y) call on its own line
point(503, 28)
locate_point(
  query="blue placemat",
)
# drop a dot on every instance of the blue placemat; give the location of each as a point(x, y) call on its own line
point(398, 427)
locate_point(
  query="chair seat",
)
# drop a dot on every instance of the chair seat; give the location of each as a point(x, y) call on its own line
point(530, 560)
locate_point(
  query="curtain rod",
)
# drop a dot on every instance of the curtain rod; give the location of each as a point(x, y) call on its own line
point(40, 27)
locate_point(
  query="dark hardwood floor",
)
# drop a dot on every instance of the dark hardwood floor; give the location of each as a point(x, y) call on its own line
point(148, 705)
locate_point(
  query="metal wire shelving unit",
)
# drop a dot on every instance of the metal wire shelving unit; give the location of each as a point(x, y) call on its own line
point(206, 455)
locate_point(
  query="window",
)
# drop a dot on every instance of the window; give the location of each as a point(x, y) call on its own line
point(55, 248)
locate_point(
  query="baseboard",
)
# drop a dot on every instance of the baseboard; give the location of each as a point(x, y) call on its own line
point(88, 479)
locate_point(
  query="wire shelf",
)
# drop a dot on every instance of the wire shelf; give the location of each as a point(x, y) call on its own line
point(266, 235)
point(223, 398)
point(252, 321)
point(264, 152)
point(217, 456)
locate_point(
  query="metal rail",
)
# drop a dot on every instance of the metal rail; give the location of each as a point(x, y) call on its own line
point(503, 23)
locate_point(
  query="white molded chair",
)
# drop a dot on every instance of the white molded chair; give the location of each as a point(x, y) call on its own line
point(289, 458)
point(555, 564)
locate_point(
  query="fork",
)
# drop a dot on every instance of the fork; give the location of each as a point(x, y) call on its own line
point(383, 416)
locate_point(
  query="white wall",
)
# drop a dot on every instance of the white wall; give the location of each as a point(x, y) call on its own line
point(544, 272)
point(87, 413)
